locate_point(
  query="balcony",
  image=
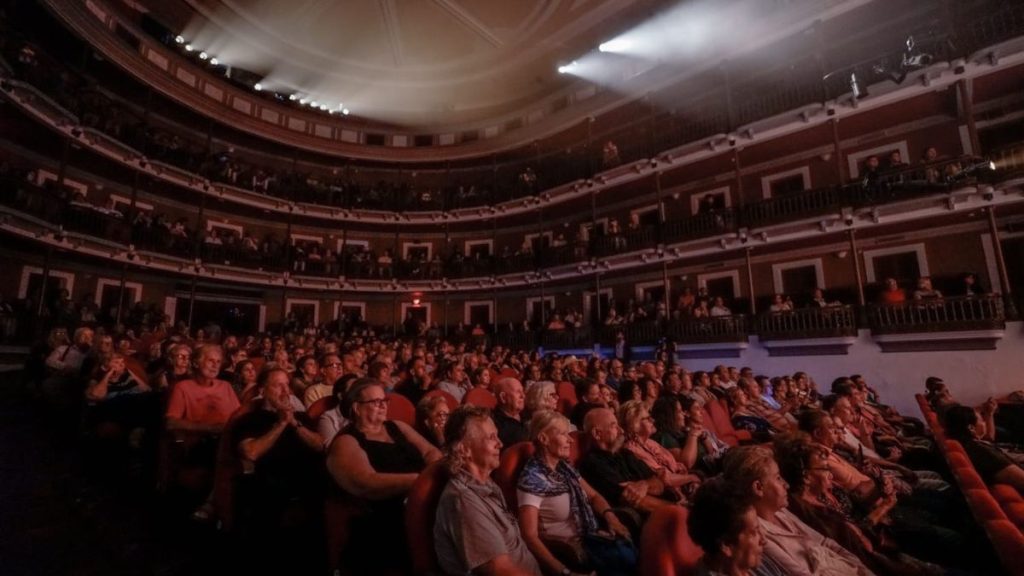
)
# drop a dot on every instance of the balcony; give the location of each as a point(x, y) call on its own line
point(972, 323)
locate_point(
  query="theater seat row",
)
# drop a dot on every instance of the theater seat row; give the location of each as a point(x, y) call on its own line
point(999, 509)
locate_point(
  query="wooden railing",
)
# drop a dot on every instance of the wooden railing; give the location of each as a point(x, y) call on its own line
point(937, 315)
point(827, 322)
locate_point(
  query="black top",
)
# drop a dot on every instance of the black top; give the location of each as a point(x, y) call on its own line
point(290, 467)
point(605, 471)
point(396, 457)
point(579, 413)
point(510, 430)
point(988, 460)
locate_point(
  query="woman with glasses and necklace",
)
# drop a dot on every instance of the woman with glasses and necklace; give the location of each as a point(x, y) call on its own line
point(377, 460)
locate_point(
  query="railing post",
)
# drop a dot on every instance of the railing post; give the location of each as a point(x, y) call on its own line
point(1004, 277)
point(750, 283)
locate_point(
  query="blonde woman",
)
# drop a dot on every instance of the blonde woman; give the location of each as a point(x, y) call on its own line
point(638, 426)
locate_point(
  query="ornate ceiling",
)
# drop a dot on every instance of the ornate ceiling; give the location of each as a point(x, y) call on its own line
point(419, 62)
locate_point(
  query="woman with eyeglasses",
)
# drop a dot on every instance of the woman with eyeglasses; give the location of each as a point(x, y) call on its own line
point(377, 460)
point(179, 367)
point(431, 416)
point(828, 509)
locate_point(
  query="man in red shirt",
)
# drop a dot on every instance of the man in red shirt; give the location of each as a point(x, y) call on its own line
point(204, 403)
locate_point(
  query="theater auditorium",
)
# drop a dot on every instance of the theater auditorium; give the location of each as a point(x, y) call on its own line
point(519, 287)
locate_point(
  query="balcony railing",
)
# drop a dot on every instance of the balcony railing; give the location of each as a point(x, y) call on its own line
point(709, 330)
point(938, 315)
point(802, 323)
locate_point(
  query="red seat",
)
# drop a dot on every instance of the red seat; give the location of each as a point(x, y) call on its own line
point(317, 409)
point(402, 409)
point(506, 475)
point(983, 505)
point(480, 397)
point(509, 372)
point(665, 545)
point(954, 446)
point(969, 479)
point(958, 460)
point(229, 467)
point(567, 399)
point(420, 512)
point(718, 415)
point(448, 398)
point(1008, 543)
point(340, 511)
point(1006, 494)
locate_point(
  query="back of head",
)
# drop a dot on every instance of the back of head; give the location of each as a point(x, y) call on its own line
point(743, 466)
point(958, 421)
point(716, 518)
point(810, 420)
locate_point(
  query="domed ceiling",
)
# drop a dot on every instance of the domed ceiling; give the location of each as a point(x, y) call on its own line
point(413, 62)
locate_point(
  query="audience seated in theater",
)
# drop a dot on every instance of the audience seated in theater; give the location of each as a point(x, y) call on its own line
point(964, 424)
point(589, 396)
point(508, 414)
point(333, 421)
point(330, 371)
point(680, 429)
point(244, 381)
point(818, 300)
point(925, 291)
point(719, 309)
point(744, 418)
point(702, 387)
point(892, 293)
point(757, 405)
point(377, 460)
point(826, 508)
point(800, 550)
point(474, 531)
point(431, 416)
point(417, 380)
point(540, 396)
point(728, 531)
point(621, 477)
point(561, 516)
point(120, 397)
point(203, 403)
point(285, 491)
point(922, 518)
point(781, 303)
point(454, 380)
point(638, 426)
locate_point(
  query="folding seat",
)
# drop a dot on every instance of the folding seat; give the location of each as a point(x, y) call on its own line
point(665, 545)
point(480, 397)
point(513, 458)
point(567, 399)
point(420, 512)
point(317, 409)
point(448, 398)
point(1008, 543)
point(1006, 494)
point(401, 408)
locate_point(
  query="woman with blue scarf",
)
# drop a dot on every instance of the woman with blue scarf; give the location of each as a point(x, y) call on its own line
point(560, 515)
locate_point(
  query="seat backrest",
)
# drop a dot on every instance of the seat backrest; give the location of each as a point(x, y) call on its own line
point(402, 409)
point(1006, 494)
point(420, 512)
point(229, 466)
point(958, 460)
point(954, 446)
point(452, 402)
point(968, 478)
point(1008, 543)
point(983, 505)
point(317, 409)
point(480, 397)
point(508, 371)
point(567, 399)
point(665, 545)
point(506, 475)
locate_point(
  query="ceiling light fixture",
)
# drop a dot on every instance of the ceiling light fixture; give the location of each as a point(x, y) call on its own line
point(179, 39)
point(203, 55)
point(258, 87)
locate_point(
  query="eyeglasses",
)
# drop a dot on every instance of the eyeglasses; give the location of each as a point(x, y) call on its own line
point(377, 402)
point(333, 365)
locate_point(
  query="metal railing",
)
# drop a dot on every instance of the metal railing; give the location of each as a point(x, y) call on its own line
point(937, 315)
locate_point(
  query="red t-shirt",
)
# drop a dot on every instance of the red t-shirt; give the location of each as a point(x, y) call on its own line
point(204, 404)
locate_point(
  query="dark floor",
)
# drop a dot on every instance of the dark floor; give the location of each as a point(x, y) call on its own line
point(61, 514)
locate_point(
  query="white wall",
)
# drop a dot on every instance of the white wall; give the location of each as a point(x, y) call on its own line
point(972, 375)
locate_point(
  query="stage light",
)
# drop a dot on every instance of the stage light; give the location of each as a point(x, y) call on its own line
point(616, 45)
point(203, 55)
point(214, 61)
point(303, 101)
point(179, 39)
point(314, 104)
point(188, 48)
point(345, 111)
point(293, 97)
point(323, 107)
point(568, 67)
point(257, 87)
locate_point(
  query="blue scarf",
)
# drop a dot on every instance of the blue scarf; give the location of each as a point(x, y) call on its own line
point(540, 480)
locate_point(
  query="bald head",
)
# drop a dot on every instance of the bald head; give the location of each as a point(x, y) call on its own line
point(510, 395)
